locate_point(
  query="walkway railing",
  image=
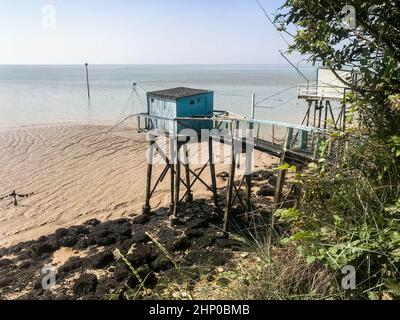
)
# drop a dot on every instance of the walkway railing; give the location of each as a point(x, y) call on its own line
point(299, 143)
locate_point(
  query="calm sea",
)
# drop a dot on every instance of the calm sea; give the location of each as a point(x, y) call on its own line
point(50, 94)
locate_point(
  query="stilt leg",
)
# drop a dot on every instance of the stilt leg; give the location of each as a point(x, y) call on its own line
point(189, 195)
point(177, 186)
point(229, 195)
point(249, 205)
point(172, 187)
point(146, 208)
point(212, 171)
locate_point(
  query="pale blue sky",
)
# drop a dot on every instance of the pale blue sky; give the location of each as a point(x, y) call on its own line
point(139, 32)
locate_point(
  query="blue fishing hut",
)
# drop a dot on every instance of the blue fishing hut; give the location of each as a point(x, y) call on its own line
point(180, 102)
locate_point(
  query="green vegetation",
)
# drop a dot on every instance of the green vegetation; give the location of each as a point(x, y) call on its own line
point(350, 211)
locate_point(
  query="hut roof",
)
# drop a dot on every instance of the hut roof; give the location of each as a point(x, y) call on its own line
point(177, 93)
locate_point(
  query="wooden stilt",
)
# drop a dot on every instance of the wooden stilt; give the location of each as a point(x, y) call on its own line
point(189, 195)
point(229, 195)
point(177, 184)
point(249, 205)
point(273, 135)
point(315, 113)
point(212, 172)
point(147, 208)
point(279, 184)
point(309, 112)
point(172, 186)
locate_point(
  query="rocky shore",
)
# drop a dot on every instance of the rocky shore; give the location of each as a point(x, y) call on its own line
point(135, 258)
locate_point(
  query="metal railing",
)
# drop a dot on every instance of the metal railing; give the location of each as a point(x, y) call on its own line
point(299, 141)
point(331, 92)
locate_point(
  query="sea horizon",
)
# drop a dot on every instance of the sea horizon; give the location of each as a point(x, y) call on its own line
point(32, 94)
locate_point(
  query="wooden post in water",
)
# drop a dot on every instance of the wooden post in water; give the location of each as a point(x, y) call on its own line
point(253, 106)
point(87, 82)
point(273, 135)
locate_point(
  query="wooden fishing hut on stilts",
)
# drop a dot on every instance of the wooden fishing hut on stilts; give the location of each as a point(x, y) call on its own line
point(171, 112)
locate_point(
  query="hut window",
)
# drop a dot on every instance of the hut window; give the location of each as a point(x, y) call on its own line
point(192, 102)
point(152, 99)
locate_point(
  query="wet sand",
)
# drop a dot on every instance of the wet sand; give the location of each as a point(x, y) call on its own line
point(76, 172)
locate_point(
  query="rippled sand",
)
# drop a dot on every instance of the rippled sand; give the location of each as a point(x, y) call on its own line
point(76, 172)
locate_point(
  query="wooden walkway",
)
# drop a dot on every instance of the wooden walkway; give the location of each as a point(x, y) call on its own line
point(294, 144)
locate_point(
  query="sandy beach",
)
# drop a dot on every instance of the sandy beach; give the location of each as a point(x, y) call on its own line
point(76, 172)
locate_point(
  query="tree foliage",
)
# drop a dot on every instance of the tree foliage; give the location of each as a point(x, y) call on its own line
point(373, 47)
point(350, 214)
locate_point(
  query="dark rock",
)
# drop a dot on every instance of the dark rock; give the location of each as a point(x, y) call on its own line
point(204, 242)
point(121, 272)
point(5, 263)
point(92, 222)
point(197, 223)
point(119, 229)
point(37, 285)
point(102, 260)
point(139, 235)
point(204, 258)
point(142, 219)
point(147, 276)
point(141, 255)
point(82, 244)
point(72, 264)
point(43, 248)
point(42, 239)
point(228, 243)
point(194, 233)
point(181, 244)
point(81, 230)
point(266, 175)
point(162, 263)
point(107, 241)
point(221, 235)
point(126, 245)
point(68, 241)
point(45, 256)
point(101, 238)
point(266, 191)
point(174, 221)
point(106, 286)
point(85, 285)
point(25, 264)
point(272, 180)
point(61, 233)
point(124, 231)
point(6, 281)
